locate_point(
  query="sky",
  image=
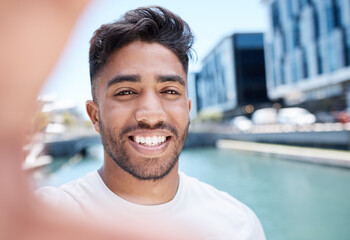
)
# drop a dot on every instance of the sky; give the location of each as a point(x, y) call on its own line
point(209, 20)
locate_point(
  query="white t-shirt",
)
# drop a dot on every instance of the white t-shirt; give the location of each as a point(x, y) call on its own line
point(215, 214)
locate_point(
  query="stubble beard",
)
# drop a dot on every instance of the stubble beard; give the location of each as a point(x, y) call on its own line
point(114, 144)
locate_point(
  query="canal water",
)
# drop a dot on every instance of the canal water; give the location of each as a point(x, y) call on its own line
point(293, 200)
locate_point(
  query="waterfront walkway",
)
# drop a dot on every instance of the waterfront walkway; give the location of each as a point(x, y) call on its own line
point(325, 135)
point(314, 155)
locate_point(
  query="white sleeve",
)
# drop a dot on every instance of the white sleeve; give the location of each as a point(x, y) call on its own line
point(257, 230)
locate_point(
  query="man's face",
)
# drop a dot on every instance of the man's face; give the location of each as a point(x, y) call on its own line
point(143, 109)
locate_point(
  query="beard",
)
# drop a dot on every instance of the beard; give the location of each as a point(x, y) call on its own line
point(142, 168)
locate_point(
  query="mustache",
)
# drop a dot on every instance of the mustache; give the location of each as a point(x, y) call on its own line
point(143, 126)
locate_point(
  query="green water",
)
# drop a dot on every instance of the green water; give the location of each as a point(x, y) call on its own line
point(293, 200)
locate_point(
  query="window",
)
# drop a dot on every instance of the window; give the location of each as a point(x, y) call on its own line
point(290, 8)
point(282, 75)
point(295, 70)
point(296, 34)
point(337, 13)
point(319, 60)
point(305, 64)
point(275, 15)
point(316, 21)
point(330, 18)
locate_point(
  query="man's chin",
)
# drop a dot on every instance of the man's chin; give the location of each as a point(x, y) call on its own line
point(148, 168)
point(153, 173)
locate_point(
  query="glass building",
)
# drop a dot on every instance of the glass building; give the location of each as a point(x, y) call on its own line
point(232, 75)
point(307, 51)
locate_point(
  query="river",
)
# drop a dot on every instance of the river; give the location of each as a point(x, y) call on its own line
point(293, 200)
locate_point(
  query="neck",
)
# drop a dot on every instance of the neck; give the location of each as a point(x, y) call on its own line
point(145, 192)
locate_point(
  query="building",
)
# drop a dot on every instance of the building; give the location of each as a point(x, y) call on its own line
point(307, 50)
point(232, 77)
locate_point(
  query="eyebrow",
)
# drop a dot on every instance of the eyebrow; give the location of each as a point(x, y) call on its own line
point(171, 78)
point(123, 78)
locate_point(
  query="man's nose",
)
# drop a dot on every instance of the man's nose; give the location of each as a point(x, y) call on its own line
point(150, 109)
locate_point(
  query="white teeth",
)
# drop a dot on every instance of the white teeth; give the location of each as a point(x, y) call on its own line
point(154, 139)
point(150, 140)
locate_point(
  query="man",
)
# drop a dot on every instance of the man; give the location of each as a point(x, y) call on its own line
point(138, 69)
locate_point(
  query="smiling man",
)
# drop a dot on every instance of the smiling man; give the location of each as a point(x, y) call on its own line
point(141, 110)
point(140, 107)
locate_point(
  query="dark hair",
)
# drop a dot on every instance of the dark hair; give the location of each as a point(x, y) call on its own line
point(148, 24)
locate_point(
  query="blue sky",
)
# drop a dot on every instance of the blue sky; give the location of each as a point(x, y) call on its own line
point(210, 21)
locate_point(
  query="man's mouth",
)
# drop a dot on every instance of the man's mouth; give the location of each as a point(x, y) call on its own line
point(150, 141)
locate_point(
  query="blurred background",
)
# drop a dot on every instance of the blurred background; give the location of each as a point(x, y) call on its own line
point(270, 120)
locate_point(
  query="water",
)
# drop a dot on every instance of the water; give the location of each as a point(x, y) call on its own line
point(293, 200)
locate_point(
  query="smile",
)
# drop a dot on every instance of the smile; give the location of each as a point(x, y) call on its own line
point(150, 141)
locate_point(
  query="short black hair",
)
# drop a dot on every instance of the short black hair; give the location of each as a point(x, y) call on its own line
point(149, 24)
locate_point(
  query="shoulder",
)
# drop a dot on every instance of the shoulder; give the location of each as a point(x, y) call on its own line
point(221, 206)
point(91, 182)
point(204, 190)
point(69, 194)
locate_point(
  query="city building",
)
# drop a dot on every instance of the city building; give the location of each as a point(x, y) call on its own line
point(192, 94)
point(307, 50)
point(232, 78)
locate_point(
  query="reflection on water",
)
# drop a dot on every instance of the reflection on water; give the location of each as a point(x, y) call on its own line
point(293, 200)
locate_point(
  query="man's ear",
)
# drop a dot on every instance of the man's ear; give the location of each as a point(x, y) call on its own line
point(189, 105)
point(92, 110)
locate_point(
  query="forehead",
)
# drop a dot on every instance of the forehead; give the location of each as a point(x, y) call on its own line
point(145, 59)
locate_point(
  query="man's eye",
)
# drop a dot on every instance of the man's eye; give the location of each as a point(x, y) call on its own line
point(123, 93)
point(173, 92)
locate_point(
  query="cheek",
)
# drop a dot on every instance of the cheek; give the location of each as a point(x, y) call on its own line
point(179, 113)
point(116, 115)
